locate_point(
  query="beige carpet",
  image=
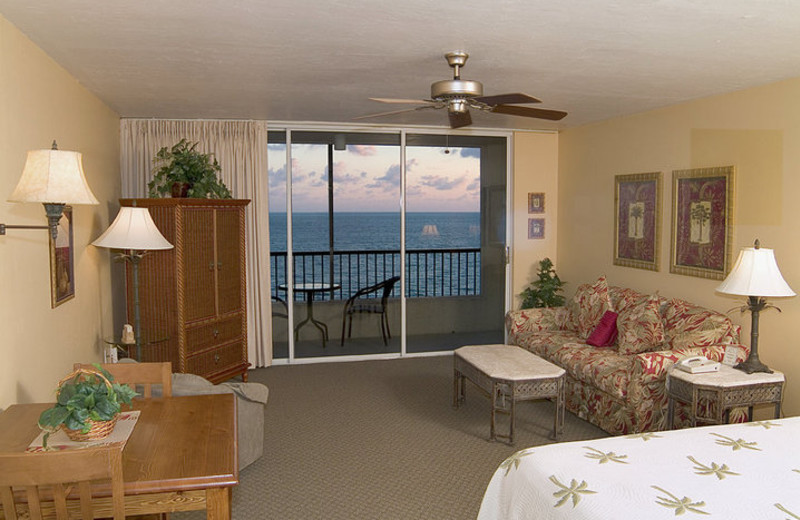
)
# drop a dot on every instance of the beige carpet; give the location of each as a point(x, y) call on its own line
point(379, 440)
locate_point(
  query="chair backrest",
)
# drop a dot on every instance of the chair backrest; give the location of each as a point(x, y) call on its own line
point(46, 479)
point(140, 374)
point(386, 286)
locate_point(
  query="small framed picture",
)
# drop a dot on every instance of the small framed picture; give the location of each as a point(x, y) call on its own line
point(535, 202)
point(62, 260)
point(535, 228)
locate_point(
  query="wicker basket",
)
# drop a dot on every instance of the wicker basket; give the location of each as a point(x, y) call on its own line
point(99, 429)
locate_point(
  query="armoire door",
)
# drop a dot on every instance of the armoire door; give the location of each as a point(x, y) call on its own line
point(199, 263)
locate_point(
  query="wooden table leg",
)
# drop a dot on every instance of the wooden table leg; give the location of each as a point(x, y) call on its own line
point(218, 503)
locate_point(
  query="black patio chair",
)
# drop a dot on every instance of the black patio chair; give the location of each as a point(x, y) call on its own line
point(282, 310)
point(361, 303)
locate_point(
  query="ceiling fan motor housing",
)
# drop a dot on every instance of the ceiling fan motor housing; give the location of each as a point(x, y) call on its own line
point(456, 88)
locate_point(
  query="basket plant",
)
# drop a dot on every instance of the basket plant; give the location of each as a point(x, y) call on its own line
point(543, 292)
point(87, 404)
point(185, 172)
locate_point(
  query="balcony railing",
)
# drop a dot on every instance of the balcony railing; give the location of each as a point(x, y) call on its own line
point(429, 272)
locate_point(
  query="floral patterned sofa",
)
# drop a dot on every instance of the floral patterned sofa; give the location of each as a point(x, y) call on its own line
point(622, 387)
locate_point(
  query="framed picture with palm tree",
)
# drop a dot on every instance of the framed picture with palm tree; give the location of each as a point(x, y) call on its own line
point(702, 222)
point(637, 220)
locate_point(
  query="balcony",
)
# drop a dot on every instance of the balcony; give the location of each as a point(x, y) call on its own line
point(438, 282)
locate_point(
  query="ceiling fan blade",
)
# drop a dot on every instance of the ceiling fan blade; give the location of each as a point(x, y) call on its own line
point(539, 113)
point(459, 119)
point(403, 101)
point(391, 112)
point(506, 99)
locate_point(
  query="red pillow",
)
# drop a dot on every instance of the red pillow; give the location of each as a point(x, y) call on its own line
point(605, 334)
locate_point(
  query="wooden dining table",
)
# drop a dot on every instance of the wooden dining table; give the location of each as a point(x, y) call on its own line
point(181, 456)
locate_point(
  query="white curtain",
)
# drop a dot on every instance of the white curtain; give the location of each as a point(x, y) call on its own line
point(241, 149)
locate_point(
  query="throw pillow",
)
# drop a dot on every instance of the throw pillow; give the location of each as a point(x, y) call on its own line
point(640, 327)
point(605, 334)
point(688, 325)
point(588, 306)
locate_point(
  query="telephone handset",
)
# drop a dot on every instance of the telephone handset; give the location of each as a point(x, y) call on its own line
point(697, 365)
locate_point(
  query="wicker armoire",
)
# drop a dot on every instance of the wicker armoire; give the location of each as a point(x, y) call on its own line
point(192, 297)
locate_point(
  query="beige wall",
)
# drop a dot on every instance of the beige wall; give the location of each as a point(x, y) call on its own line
point(535, 171)
point(40, 102)
point(758, 131)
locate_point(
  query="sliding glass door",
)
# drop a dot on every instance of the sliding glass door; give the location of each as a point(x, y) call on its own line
point(455, 241)
point(336, 231)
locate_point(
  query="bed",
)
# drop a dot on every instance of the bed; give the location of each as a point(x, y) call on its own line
point(747, 471)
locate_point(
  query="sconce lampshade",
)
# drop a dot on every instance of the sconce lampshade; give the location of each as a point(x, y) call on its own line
point(53, 176)
point(756, 273)
point(133, 229)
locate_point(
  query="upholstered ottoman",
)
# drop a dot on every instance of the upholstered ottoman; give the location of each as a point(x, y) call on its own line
point(508, 374)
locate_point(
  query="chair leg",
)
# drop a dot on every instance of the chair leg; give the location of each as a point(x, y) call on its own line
point(385, 316)
point(383, 331)
point(344, 324)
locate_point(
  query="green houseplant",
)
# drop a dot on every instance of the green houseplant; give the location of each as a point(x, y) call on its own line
point(185, 172)
point(87, 400)
point(543, 292)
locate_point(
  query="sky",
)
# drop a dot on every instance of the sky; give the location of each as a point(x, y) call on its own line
point(366, 178)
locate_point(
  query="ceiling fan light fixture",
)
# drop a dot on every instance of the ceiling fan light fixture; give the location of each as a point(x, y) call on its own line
point(458, 106)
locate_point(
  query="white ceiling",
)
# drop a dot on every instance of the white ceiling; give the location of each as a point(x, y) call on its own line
point(319, 60)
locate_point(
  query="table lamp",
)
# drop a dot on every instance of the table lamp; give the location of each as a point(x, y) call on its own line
point(135, 233)
point(755, 275)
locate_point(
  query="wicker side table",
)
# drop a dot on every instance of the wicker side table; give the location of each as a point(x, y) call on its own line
point(508, 374)
point(726, 389)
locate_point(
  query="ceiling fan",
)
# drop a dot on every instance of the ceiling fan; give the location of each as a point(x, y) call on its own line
point(459, 95)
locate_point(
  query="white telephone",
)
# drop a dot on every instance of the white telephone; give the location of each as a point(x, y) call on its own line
point(697, 365)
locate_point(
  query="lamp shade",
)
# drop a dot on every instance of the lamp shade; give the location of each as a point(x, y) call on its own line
point(133, 229)
point(53, 176)
point(756, 273)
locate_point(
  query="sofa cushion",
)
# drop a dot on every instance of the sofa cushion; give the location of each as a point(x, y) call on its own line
point(588, 306)
point(543, 343)
point(688, 325)
point(602, 368)
point(640, 327)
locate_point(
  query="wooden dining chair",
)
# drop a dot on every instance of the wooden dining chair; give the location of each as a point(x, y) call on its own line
point(144, 375)
point(37, 485)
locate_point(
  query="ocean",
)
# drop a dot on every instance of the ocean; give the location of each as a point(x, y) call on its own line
point(376, 231)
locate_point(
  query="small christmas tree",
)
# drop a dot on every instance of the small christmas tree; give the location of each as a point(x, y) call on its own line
point(544, 291)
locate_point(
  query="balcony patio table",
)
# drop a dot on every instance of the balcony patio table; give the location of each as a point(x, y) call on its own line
point(309, 289)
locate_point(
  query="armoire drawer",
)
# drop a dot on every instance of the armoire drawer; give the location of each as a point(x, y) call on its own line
point(215, 360)
point(208, 335)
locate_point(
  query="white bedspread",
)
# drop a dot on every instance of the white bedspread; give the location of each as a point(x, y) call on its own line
point(740, 471)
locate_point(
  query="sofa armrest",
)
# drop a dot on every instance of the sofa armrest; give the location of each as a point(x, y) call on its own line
point(649, 367)
point(537, 320)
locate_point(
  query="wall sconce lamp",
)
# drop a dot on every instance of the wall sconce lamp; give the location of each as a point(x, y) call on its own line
point(135, 233)
point(55, 178)
point(755, 275)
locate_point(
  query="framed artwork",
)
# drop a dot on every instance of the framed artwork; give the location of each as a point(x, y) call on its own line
point(702, 222)
point(637, 220)
point(62, 262)
point(535, 202)
point(535, 228)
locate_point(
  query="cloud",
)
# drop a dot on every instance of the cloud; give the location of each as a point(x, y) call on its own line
point(471, 152)
point(474, 185)
point(440, 183)
point(388, 181)
point(362, 150)
point(348, 178)
point(277, 177)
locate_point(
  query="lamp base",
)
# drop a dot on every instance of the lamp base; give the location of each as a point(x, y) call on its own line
point(751, 366)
